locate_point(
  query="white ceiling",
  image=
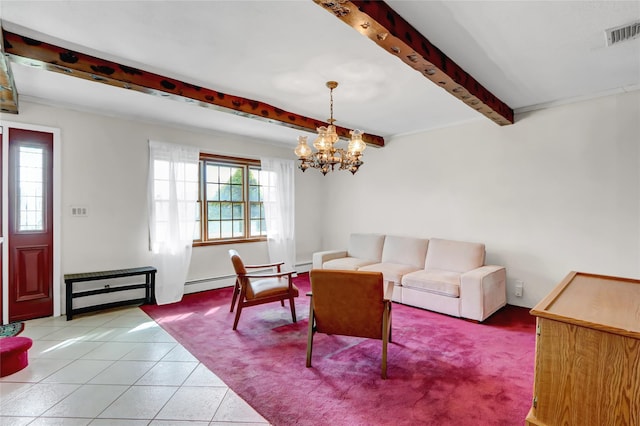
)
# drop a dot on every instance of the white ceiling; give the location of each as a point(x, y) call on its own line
point(530, 54)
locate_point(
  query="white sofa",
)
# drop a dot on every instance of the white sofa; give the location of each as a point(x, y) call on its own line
point(441, 275)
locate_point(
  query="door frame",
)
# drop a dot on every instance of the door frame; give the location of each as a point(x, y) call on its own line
point(57, 213)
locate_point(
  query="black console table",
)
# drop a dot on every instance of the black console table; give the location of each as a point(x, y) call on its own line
point(149, 285)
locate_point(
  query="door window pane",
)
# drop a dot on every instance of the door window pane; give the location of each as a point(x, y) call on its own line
point(30, 189)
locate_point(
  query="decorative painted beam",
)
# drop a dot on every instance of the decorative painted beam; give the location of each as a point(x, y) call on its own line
point(39, 54)
point(376, 20)
point(8, 92)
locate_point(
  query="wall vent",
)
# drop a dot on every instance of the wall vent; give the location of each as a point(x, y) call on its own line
point(624, 32)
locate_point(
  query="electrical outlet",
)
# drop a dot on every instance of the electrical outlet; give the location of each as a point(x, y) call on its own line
point(519, 288)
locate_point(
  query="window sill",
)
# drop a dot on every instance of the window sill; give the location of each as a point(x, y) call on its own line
point(230, 241)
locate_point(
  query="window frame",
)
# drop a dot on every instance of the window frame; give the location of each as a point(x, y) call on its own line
point(246, 164)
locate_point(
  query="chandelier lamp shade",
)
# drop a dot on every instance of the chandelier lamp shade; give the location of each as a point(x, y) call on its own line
point(326, 156)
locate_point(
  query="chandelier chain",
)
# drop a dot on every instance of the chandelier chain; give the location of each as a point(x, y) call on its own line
point(331, 87)
point(331, 120)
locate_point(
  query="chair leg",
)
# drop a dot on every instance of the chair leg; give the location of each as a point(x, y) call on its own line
point(293, 309)
point(236, 291)
point(386, 334)
point(390, 322)
point(384, 359)
point(310, 334)
point(235, 322)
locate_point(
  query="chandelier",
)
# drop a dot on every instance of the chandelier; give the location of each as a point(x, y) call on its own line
point(327, 156)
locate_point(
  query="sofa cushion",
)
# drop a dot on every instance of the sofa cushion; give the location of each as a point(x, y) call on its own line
point(405, 250)
point(347, 263)
point(366, 246)
point(455, 256)
point(446, 283)
point(390, 271)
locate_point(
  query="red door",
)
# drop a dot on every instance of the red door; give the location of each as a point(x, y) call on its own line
point(1, 238)
point(30, 234)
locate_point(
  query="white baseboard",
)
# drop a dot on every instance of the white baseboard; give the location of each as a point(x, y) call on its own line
point(304, 267)
point(197, 286)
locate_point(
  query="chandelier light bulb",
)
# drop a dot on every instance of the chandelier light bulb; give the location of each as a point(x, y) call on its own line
point(356, 144)
point(332, 135)
point(302, 150)
point(322, 141)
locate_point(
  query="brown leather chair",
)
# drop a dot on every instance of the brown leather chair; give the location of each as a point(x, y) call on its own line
point(350, 303)
point(257, 288)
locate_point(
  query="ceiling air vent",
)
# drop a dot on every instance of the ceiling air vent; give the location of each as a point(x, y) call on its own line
point(624, 32)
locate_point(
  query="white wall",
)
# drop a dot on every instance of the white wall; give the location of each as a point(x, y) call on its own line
point(557, 191)
point(104, 167)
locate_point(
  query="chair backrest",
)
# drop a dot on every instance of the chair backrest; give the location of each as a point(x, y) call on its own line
point(238, 265)
point(348, 303)
point(455, 256)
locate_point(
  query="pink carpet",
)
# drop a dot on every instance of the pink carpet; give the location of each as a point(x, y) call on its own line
point(442, 370)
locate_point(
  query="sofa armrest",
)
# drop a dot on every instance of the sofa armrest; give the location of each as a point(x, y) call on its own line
point(324, 256)
point(482, 291)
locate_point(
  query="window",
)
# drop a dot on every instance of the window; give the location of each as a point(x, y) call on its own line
point(231, 201)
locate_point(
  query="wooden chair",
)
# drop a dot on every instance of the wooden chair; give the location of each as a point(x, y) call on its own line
point(350, 303)
point(253, 289)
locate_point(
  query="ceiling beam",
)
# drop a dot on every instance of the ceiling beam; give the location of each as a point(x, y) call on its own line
point(34, 53)
point(377, 21)
point(8, 92)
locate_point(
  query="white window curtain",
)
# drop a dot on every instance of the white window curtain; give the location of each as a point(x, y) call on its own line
point(277, 177)
point(173, 207)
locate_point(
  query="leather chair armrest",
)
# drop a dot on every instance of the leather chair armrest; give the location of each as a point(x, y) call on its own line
point(482, 291)
point(277, 265)
point(270, 275)
point(324, 256)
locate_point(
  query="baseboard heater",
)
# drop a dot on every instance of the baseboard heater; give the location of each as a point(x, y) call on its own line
point(203, 284)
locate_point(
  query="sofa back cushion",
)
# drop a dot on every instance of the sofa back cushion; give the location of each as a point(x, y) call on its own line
point(405, 250)
point(456, 256)
point(366, 246)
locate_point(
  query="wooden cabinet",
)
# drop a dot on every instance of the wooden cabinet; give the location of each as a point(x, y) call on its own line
point(587, 368)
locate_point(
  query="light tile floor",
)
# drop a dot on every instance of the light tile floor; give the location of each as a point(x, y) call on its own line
point(115, 367)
